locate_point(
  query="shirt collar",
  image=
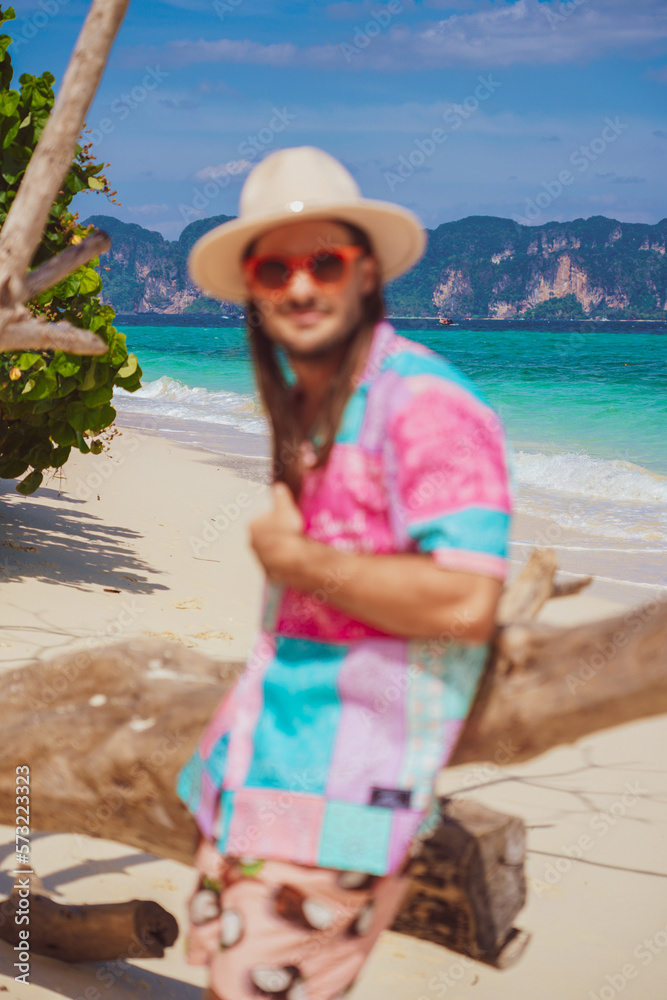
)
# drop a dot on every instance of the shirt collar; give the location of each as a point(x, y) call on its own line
point(381, 347)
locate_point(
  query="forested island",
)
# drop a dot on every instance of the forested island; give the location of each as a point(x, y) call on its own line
point(479, 267)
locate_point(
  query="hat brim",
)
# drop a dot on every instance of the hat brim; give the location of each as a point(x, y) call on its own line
point(397, 236)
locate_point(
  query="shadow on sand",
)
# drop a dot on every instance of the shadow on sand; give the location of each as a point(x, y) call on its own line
point(65, 545)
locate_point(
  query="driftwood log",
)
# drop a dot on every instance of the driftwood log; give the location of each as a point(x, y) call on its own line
point(26, 219)
point(139, 928)
point(105, 731)
point(468, 884)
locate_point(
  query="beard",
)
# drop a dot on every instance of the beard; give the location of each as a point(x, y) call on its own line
point(338, 342)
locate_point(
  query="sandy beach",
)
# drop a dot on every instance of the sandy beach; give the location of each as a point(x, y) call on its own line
point(149, 540)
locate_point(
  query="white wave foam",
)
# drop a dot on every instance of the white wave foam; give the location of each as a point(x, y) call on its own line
point(545, 480)
point(167, 397)
point(602, 479)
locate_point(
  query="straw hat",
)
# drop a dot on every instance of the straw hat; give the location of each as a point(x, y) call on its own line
point(294, 184)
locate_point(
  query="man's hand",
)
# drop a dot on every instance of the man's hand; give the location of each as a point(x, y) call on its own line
point(405, 594)
point(277, 537)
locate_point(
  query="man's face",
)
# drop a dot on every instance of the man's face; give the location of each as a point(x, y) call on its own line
point(307, 318)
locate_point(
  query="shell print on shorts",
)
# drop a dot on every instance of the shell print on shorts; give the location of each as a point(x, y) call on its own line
point(291, 904)
point(204, 907)
point(355, 880)
point(231, 928)
point(279, 982)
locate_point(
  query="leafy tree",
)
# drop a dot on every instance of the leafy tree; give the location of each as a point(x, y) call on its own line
point(563, 307)
point(51, 401)
point(204, 305)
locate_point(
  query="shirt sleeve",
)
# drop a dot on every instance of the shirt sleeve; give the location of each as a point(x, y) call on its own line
point(449, 478)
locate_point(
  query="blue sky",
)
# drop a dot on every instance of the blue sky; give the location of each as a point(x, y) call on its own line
point(452, 109)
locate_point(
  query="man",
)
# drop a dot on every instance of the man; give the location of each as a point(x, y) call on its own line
point(384, 554)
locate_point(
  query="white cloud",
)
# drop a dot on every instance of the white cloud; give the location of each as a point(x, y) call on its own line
point(147, 209)
point(530, 32)
point(233, 167)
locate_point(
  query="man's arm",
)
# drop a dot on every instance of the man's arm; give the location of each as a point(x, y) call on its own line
point(406, 595)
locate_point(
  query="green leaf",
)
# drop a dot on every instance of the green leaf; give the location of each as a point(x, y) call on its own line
point(67, 288)
point(97, 397)
point(45, 405)
point(63, 434)
point(40, 456)
point(41, 385)
point(7, 15)
point(30, 483)
point(90, 282)
point(100, 418)
point(89, 379)
point(76, 416)
point(12, 468)
point(130, 384)
point(9, 101)
point(64, 364)
point(81, 444)
point(129, 368)
point(28, 359)
point(95, 183)
point(59, 456)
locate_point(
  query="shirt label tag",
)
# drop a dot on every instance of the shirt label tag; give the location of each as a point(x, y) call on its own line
point(391, 798)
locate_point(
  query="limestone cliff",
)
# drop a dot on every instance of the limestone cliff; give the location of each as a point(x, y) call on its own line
point(481, 266)
point(144, 273)
point(488, 267)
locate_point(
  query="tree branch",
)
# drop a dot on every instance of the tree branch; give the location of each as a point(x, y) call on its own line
point(64, 263)
point(52, 158)
point(23, 228)
point(140, 708)
point(32, 333)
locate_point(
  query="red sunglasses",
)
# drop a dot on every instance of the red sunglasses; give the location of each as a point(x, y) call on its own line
point(272, 272)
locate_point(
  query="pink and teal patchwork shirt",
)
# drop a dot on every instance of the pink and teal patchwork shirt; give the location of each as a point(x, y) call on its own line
point(325, 750)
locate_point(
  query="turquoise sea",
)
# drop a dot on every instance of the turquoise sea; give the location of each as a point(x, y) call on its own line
point(586, 413)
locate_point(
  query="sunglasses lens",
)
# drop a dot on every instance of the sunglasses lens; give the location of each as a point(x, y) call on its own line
point(272, 273)
point(328, 268)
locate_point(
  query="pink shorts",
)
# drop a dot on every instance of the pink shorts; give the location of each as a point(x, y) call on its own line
point(283, 930)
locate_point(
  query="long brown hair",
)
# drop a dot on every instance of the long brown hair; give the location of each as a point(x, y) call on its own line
point(278, 395)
